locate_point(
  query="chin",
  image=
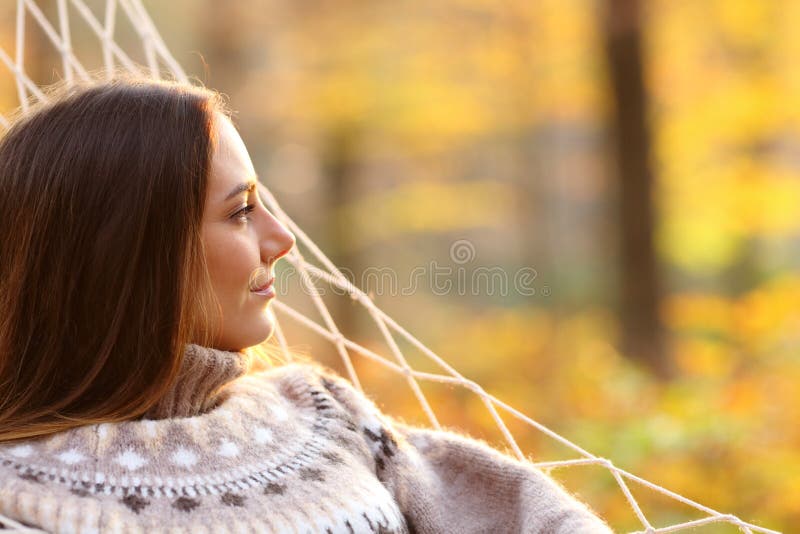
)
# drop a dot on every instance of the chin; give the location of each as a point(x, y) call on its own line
point(248, 332)
point(258, 333)
point(266, 335)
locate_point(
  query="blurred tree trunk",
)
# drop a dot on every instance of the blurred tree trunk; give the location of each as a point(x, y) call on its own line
point(642, 335)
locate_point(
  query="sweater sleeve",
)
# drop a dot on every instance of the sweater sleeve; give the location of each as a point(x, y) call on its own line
point(447, 483)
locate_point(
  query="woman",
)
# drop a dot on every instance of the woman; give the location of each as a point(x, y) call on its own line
point(136, 266)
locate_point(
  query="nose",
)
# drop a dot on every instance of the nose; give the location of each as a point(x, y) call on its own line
point(276, 240)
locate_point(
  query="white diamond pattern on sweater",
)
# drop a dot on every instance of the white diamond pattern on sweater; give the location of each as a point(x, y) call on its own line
point(131, 460)
point(71, 456)
point(262, 435)
point(184, 458)
point(21, 451)
point(228, 449)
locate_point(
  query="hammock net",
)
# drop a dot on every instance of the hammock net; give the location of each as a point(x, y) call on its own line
point(97, 46)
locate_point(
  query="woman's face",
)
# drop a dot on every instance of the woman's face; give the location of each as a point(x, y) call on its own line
point(242, 242)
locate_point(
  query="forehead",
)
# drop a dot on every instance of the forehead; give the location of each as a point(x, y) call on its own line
point(230, 162)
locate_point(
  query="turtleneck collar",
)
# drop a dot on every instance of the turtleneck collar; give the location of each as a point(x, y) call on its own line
point(201, 382)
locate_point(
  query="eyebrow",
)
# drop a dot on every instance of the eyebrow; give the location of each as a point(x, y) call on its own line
point(248, 187)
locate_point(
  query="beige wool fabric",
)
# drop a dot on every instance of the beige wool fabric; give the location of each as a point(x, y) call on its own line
point(291, 449)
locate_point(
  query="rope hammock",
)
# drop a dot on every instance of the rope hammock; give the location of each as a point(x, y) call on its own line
point(317, 267)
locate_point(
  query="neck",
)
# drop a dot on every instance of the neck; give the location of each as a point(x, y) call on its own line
point(201, 382)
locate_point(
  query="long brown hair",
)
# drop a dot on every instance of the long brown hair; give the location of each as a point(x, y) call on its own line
point(101, 262)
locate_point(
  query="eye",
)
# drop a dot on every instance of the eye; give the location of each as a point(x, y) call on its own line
point(242, 214)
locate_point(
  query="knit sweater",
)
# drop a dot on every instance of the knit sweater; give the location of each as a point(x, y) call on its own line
point(294, 448)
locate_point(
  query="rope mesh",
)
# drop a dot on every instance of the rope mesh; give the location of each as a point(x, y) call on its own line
point(158, 61)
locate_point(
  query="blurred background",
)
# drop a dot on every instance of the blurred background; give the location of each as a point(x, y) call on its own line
point(639, 161)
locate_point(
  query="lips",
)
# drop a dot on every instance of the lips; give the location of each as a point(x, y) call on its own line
point(265, 287)
point(261, 281)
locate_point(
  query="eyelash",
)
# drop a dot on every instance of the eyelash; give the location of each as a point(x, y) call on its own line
point(241, 215)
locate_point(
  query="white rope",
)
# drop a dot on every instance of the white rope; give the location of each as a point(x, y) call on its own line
point(108, 36)
point(67, 57)
point(338, 339)
point(156, 54)
point(63, 22)
point(17, 66)
point(158, 42)
point(103, 35)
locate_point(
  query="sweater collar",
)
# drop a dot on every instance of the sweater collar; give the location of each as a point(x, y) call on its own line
point(201, 382)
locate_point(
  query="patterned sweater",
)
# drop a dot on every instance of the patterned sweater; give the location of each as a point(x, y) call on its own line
point(291, 449)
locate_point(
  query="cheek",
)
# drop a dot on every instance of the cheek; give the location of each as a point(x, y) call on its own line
point(230, 260)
